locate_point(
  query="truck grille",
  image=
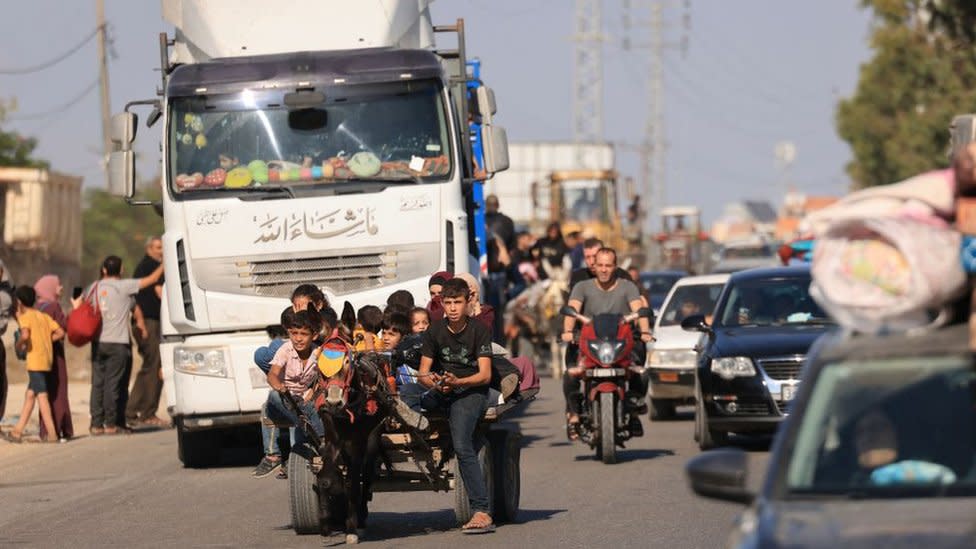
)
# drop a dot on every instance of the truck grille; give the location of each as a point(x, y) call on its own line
point(338, 274)
point(782, 368)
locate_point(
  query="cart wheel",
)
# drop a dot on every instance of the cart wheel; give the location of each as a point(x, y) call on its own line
point(462, 507)
point(506, 446)
point(303, 497)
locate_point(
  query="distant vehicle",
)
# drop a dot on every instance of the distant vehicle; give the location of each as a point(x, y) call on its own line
point(882, 424)
point(672, 360)
point(740, 256)
point(749, 368)
point(657, 284)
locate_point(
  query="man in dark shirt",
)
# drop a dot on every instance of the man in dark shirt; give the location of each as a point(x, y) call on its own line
point(455, 366)
point(144, 401)
point(590, 247)
point(499, 223)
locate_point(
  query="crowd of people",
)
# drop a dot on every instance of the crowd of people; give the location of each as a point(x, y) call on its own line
point(128, 309)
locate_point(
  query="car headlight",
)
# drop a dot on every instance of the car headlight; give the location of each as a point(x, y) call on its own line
point(605, 351)
point(201, 361)
point(676, 357)
point(732, 367)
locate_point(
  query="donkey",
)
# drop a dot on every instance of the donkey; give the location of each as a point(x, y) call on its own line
point(354, 404)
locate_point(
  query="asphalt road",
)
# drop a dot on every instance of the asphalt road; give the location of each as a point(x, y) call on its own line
point(131, 491)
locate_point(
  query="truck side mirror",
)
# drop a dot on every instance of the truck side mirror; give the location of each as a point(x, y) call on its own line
point(123, 131)
point(495, 142)
point(962, 131)
point(122, 173)
point(486, 103)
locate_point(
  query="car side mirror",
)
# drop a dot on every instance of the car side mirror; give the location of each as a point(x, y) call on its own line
point(696, 323)
point(720, 474)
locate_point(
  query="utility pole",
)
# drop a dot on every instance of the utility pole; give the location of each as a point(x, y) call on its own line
point(103, 80)
point(588, 75)
point(653, 147)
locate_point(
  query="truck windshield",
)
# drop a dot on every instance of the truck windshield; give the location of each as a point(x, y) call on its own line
point(360, 135)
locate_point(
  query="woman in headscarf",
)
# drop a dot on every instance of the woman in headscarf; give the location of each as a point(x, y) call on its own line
point(48, 289)
point(552, 248)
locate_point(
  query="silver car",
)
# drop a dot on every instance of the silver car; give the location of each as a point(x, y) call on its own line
point(672, 358)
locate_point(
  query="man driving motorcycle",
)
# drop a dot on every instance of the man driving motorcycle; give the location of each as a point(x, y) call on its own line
point(607, 293)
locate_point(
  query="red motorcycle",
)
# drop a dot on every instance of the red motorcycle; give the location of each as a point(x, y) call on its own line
point(606, 364)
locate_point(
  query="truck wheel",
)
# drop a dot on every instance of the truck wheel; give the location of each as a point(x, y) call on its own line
point(507, 450)
point(302, 495)
point(608, 429)
point(662, 409)
point(198, 449)
point(462, 507)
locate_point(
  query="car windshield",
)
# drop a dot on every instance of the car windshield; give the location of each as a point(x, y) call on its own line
point(698, 299)
point(659, 284)
point(888, 428)
point(750, 252)
point(359, 135)
point(771, 302)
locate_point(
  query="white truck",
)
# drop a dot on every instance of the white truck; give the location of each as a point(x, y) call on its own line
point(323, 142)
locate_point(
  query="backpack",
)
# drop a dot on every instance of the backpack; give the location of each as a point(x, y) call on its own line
point(85, 321)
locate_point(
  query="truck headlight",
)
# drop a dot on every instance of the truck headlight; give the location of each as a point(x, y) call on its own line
point(201, 361)
point(732, 367)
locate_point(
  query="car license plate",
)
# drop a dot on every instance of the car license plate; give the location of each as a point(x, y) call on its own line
point(787, 392)
point(669, 377)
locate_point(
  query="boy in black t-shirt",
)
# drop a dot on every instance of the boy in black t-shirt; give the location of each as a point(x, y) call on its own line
point(455, 366)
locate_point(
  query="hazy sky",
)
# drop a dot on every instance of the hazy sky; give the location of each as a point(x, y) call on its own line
point(756, 72)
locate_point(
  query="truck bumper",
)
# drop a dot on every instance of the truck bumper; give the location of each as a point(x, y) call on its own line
point(220, 421)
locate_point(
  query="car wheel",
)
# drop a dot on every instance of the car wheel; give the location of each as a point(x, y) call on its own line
point(705, 437)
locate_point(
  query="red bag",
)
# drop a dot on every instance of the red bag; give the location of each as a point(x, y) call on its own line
point(85, 321)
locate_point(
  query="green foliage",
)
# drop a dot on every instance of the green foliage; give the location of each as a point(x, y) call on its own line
point(113, 227)
point(922, 74)
point(15, 149)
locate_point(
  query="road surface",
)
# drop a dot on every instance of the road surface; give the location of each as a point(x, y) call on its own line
point(131, 491)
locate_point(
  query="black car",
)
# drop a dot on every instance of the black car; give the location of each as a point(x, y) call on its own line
point(749, 362)
point(657, 284)
point(880, 450)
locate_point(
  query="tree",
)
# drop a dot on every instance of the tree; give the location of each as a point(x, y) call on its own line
point(921, 75)
point(113, 227)
point(15, 149)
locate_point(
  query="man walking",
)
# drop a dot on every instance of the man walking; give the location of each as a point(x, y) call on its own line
point(148, 386)
point(114, 298)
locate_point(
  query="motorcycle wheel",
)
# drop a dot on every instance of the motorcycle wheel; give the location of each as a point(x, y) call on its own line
point(608, 429)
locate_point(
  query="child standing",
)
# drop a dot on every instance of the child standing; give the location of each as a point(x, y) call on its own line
point(38, 332)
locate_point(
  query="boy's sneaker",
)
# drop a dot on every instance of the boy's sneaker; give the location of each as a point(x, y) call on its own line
point(410, 417)
point(283, 471)
point(508, 385)
point(266, 467)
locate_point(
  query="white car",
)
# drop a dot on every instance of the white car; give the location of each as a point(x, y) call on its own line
point(672, 358)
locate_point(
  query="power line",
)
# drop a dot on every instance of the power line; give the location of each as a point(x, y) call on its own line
point(59, 109)
point(56, 60)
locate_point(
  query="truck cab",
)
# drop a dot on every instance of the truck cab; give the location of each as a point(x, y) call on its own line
point(347, 168)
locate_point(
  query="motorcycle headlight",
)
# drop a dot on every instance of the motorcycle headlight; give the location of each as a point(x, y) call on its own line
point(606, 352)
point(201, 361)
point(733, 367)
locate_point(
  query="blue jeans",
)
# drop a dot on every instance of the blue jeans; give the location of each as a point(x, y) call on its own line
point(465, 410)
point(274, 413)
point(263, 355)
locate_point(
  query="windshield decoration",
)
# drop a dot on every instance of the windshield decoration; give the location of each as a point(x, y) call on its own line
point(351, 222)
